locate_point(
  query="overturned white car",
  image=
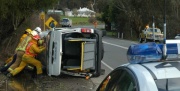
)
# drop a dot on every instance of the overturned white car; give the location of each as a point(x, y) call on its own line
point(76, 51)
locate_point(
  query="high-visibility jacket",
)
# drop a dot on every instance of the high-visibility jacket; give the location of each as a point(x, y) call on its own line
point(22, 37)
point(32, 48)
point(23, 43)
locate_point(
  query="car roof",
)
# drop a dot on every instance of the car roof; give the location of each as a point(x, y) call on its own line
point(143, 76)
point(161, 70)
point(164, 70)
point(147, 73)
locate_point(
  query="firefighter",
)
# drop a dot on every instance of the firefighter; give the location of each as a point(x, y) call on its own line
point(26, 33)
point(20, 50)
point(38, 30)
point(32, 50)
point(12, 59)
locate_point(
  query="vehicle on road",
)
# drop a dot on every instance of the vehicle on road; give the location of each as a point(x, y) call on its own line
point(146, 71)
point(147, 35)
point(73, 51)
point(66, 22)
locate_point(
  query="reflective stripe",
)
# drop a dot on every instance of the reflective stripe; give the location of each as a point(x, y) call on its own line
point(28, 48)
point(10, 69)
point(23, 44)
point(39, 68)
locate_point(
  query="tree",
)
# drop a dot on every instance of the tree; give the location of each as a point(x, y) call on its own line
point(13, 13)
point(136, 14)
point(75, 12)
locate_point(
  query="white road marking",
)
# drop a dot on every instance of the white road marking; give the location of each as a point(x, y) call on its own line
point(115, 45)
point(107, 65)
point(112, 45)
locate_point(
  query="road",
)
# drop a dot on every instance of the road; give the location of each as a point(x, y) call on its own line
point(115, 55)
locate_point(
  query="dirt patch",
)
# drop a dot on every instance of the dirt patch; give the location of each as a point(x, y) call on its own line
point(24, 82)
point(66, 83)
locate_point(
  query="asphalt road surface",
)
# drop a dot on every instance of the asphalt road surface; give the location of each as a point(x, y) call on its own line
point(114, 56)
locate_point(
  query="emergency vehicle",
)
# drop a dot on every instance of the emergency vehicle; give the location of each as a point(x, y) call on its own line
point(147, 70)
point(73, 51)
point(147, 35)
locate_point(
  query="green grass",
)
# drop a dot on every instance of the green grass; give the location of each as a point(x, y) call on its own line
point(110, 33)
point(77, 20)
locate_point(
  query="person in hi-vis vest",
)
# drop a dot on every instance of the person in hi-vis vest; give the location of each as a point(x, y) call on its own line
point(32, 50)
point(14, 61)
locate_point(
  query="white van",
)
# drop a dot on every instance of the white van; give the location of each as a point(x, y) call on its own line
point(66, 22)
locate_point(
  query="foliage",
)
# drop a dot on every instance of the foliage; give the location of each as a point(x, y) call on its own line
point(134, 15)
point(14, 12)
point(92, 19)
point(77, 20)
point(75, 12)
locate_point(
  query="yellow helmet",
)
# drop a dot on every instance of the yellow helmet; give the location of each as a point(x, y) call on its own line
point(28, 30)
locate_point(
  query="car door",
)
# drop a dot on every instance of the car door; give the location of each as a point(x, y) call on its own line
point(121, 79)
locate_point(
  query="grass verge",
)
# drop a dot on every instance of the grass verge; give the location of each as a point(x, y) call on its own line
point(78, 20)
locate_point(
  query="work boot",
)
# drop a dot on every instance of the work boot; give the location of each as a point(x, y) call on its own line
point(38, 80)
point(39, 76)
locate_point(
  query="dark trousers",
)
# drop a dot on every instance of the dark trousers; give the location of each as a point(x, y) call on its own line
point(3, 69)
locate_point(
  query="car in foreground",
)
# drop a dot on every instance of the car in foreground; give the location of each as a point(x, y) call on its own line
point(145, 72)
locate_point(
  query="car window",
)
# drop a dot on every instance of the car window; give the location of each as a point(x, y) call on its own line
point(155, 30)
point(118, 80)
point(65, 20)
point(126, 83)
point(171, 84)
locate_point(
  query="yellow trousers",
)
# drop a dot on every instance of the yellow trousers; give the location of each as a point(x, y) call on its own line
point(18, 60)
point(28, 60)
